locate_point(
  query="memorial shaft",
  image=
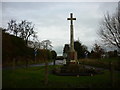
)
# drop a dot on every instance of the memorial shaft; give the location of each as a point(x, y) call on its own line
point(71, 32)
point(71, 38)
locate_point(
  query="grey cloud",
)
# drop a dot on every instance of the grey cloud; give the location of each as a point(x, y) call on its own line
point(50, 19)
point(108, 7)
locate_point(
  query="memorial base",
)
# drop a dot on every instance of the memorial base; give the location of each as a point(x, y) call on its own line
point(72, 55)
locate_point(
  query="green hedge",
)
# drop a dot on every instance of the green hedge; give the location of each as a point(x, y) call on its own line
point(15, 48)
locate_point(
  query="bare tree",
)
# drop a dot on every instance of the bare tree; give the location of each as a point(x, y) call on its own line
point(110, 29)
point(13, 27)
point(46, 46)
point(24, 29)
point(27, 29)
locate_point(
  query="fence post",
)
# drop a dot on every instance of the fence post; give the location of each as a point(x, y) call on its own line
point(112, 74)
point(13, 63)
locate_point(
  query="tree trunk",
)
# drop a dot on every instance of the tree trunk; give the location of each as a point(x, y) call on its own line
point(26, 63)
point(54, 62)
point(35, 59)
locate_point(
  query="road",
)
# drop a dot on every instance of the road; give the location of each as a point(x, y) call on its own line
point(57, 62)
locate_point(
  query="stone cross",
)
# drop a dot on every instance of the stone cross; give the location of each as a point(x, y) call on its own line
point(71, 32)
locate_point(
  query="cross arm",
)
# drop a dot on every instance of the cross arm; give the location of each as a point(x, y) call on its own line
point(71, 18)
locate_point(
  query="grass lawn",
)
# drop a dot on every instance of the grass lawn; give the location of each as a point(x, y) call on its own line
point(33, 77)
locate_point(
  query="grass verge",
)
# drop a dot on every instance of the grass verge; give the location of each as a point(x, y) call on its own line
point(33, 77)
point(103, 63)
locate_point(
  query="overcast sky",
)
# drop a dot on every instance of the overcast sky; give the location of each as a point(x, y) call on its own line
point(50, 19)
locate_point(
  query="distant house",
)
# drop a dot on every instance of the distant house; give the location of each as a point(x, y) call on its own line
point(105, 55)
point(59, 58)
